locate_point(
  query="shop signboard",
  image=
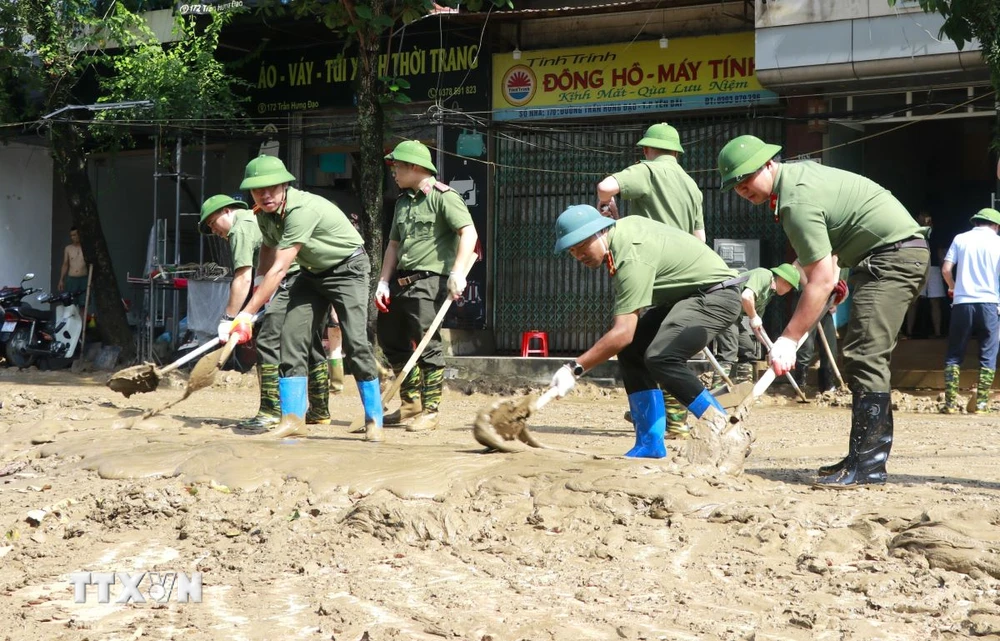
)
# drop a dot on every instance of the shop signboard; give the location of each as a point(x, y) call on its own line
point(707, 72)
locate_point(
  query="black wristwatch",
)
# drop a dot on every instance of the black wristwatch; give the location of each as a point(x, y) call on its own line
point(576, 368)
point(227, 317)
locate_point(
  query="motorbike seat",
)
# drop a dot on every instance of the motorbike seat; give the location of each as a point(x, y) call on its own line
point(39, 314)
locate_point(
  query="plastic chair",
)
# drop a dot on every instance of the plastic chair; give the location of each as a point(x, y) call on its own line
point(534, 335)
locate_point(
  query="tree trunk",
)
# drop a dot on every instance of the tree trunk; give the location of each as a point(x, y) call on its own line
point(67, 148)
point(370, 126)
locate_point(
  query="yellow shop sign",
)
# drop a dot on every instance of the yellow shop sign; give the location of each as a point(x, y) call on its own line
point(691, 73)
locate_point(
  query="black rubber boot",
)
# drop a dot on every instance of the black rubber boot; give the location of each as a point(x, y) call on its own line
point(865, 464)
point(857, 426)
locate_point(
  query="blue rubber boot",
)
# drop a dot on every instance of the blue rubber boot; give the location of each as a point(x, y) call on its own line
point(293, 394)
point(371, 400)
point(650, 417)
point(702, 402)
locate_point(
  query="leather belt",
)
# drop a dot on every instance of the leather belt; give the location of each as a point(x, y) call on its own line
point(412, 277)
point(902, 244)
point(732, 282)
point(357, 252)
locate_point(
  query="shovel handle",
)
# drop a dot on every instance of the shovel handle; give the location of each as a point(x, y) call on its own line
point(766, 340)
point(228, 349)
point(710, 357)
point(190, 356)
point(545, 398)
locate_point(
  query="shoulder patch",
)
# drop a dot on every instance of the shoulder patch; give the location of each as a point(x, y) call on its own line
point(440, 186)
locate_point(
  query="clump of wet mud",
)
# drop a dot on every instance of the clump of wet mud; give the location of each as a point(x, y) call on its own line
point(138, 379)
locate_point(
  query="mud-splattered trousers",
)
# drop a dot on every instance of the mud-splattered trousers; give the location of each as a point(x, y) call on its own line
point(667, 336)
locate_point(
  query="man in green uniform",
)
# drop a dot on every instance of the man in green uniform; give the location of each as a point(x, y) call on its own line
point(298, 226)
point(232, 220)
point(834, 219)
point(432, 244)
point(692, 296)
point(658, 188)
point(761, 283)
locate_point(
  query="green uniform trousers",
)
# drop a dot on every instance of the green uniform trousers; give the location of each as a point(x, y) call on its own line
point(735, 345)
point(269, 334)
point(345, 286)
point(411, 310)
point(667, 336)
point(884, 285)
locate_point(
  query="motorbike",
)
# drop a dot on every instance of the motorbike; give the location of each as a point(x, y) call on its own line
point(11, 298)
point(50, 337)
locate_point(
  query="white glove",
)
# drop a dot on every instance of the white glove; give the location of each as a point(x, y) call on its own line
point(755, 322)
point(456, 285)
point(563, 380)
point(223, 330)
point(382, 296)
point(783, 355)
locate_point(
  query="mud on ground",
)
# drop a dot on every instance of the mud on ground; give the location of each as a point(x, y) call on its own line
point(426, 537)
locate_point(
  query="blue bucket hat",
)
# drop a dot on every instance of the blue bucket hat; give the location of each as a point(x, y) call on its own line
point(578, 223)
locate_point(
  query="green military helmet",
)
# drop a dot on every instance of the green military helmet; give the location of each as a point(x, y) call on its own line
point(741, 157)
point(578, 223)
point(265, 171)
point(413, 152)
point(788, 272)
point(214, 204)
point(987, 215)
point(661, 136)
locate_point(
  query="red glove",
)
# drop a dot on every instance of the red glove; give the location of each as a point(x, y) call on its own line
point(242, 328)
point(840, 292)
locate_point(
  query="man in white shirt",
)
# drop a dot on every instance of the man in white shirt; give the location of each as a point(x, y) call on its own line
point(974, 289)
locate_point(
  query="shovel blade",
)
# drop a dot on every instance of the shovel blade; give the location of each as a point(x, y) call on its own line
point(501, 423)
point(135, 380)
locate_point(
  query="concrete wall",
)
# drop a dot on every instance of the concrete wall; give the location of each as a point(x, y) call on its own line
point(25, 220)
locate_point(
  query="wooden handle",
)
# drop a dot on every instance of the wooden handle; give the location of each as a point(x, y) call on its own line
point(228, 349)
point(403, 373)
point(830, 356)
point(710, 357)
point(190, 356)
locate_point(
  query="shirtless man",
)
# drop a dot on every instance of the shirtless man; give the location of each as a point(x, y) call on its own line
point(73, 276)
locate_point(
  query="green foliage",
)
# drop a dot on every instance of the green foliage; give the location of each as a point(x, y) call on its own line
point(72, 41)
point(187, 85)
point(967, 20)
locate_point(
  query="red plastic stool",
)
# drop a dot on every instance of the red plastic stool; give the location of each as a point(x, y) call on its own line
point(534, 335)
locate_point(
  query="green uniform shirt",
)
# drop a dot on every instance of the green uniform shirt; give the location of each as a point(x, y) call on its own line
point(326, 235)
point(659, 189)
point(244, 239)
point(658, 265)
point(759, 282)
point(424, 225)
point(830, 211)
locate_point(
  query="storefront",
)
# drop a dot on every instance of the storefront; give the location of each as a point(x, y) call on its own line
point(309, 95)
point(566, 118)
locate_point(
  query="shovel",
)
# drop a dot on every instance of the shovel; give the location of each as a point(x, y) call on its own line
point(146, 377)
point(766, 340)
point(765, 380)
point(358, 426)
point(500, 424)
point(203, 374)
